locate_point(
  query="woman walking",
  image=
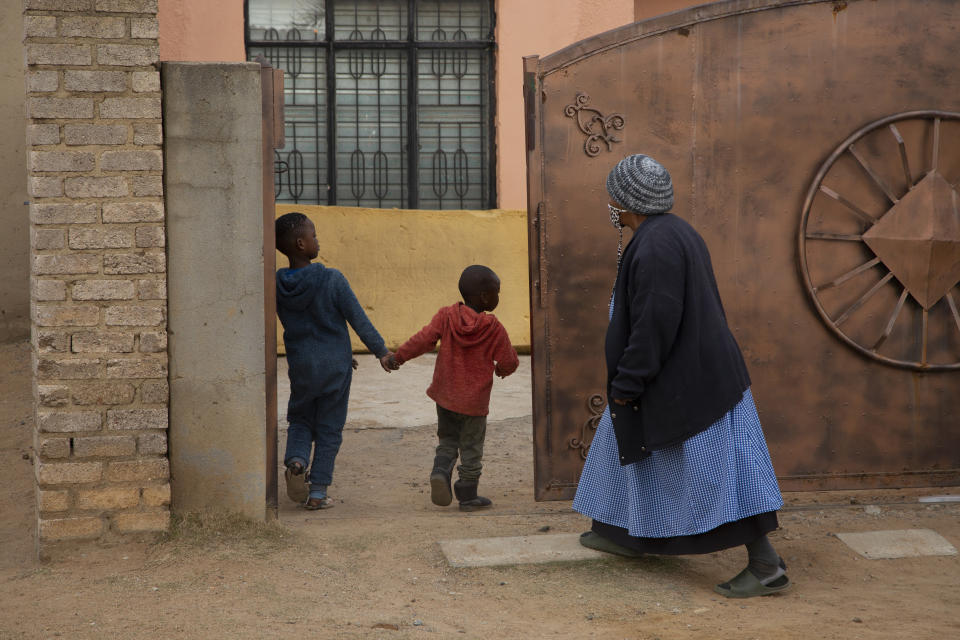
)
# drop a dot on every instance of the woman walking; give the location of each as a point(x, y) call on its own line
point(678, 464)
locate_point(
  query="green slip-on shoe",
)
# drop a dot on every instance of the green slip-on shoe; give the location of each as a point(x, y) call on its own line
point(594, 540)
point(747, 585)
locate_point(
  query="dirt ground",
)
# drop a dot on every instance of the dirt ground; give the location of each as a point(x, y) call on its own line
point(371, 566)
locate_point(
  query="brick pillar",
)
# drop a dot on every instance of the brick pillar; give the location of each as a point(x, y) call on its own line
point(98, 295)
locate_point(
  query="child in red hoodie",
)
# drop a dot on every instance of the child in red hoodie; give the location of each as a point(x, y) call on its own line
point(473, 346)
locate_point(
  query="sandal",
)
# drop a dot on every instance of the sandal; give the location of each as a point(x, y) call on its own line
point(314, 504)
point(747, 585)
point(594, 540)
point(297, 487)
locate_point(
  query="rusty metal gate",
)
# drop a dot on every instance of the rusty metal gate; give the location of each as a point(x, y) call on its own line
point(816, 147)
point(272, 138)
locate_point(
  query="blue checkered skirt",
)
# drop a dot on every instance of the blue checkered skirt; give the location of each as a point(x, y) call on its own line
point(720, 475)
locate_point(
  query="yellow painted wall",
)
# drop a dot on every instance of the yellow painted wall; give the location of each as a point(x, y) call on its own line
point(403, 265)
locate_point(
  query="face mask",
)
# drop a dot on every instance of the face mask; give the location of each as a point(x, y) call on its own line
point(615, 220)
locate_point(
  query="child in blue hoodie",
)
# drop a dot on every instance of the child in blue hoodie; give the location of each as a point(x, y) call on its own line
point(314, 304)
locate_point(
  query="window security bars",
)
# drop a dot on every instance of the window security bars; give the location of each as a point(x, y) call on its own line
point(389, 103)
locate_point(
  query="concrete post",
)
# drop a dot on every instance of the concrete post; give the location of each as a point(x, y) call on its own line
point(212, 118)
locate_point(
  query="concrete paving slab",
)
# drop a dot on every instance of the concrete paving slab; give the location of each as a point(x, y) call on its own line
point(491, 552)
point(905, 543)
point(938, 499)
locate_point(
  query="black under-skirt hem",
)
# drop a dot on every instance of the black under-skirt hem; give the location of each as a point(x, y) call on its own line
point(730, 534)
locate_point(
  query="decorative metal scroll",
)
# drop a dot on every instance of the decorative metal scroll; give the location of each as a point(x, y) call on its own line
point(911, 257)
point(596, 126)
point(595, 404)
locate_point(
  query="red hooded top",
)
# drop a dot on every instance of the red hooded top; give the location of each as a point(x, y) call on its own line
point(472, 347)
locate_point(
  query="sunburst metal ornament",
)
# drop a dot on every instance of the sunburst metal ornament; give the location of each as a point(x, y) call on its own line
point(913, 242)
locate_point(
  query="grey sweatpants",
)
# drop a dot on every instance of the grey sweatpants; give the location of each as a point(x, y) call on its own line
point(462, 435)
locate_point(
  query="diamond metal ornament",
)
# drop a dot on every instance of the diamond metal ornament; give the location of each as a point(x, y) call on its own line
point(918, 239)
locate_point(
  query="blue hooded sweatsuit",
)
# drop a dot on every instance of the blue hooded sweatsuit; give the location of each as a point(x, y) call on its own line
point(314, 304)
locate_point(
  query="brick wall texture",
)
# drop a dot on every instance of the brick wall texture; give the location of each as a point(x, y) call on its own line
point(98, 291)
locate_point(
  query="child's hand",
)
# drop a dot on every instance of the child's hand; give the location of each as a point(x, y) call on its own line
point(389, 362)
point(354, 363)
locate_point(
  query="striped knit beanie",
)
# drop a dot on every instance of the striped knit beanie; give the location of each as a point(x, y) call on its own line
point(641, 185)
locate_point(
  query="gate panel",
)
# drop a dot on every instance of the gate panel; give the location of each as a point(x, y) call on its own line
point(753, 106)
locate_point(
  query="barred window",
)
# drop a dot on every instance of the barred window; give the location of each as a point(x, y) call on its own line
point(389, 103)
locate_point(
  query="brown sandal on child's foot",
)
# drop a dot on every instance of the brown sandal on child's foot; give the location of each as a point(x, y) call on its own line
point(297, 488)
point(313, 504)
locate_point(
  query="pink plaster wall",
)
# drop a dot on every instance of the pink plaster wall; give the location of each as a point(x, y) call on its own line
point(201, 30)
point(643, 9)
point(212, 31)
point(540, 27)
point(537, 27)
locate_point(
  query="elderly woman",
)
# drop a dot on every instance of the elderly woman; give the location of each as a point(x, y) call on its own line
point(678, 464)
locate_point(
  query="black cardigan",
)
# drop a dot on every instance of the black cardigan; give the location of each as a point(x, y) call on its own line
point(668, 348)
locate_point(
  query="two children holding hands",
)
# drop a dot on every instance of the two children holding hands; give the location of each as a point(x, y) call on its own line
point(315, 303)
